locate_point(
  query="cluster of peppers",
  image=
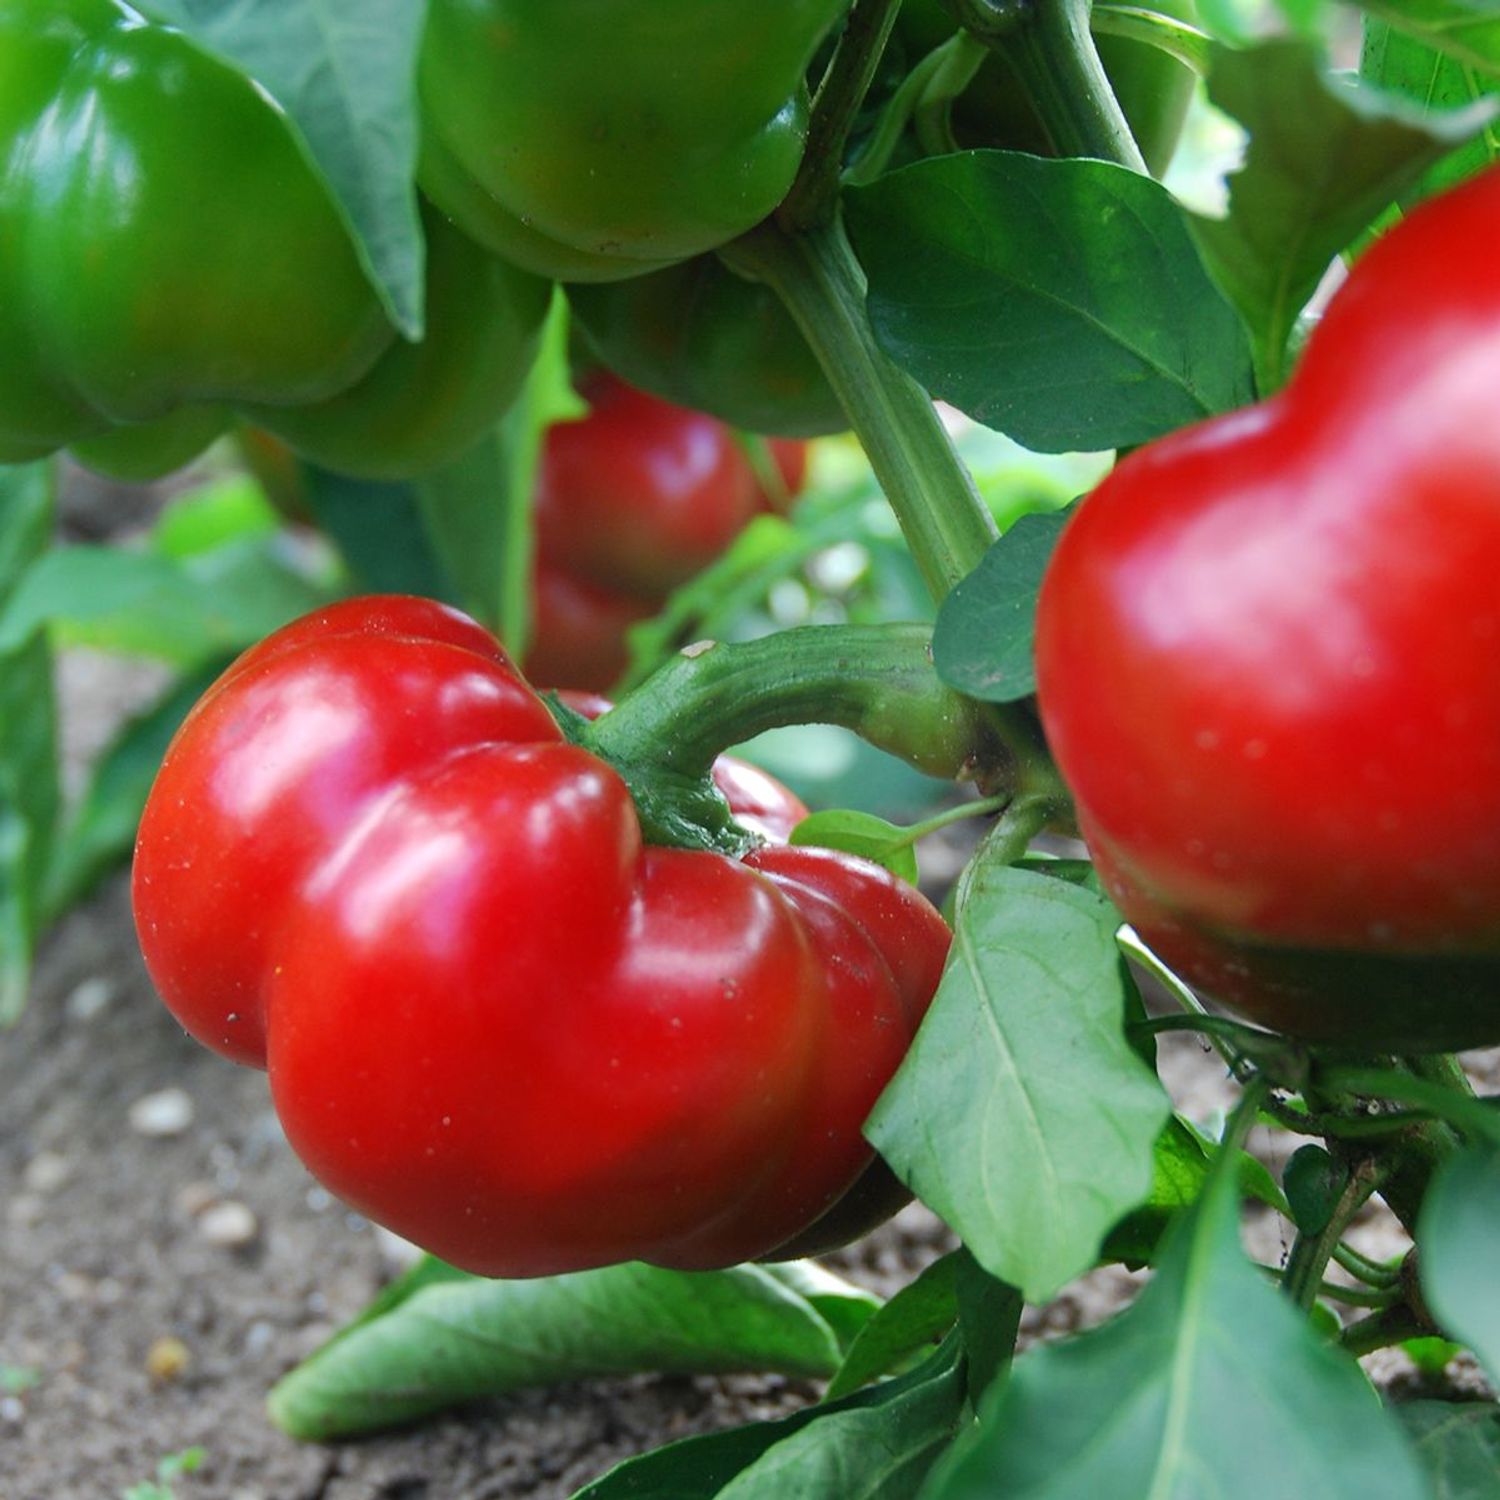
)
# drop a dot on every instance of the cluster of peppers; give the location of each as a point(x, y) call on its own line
point(187, 303)
point(632, 500)
point(376, 863)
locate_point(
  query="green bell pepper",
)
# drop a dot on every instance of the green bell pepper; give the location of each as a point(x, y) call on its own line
point(599, 139)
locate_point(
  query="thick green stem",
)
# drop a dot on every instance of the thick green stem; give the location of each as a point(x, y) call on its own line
point(813, 197)
point(1392, 1325)
point(1178, 39)
point(1053, 51)
point(876, 680)
point(1312, 1252)
point(816, 275)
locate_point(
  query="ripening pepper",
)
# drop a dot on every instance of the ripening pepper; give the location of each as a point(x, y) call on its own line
point(163, 244)
point(1266, 663)
point(493, 1018)
point(425, 403)
point(590, 140)
point(168, 258)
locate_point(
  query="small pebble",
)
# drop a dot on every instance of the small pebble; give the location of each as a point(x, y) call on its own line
point(89, 998)
point(166, 1112)
point(193, 1197)
point(166, 1359)
point(46, 1172)
point(11, 1409)
point(228, 1225)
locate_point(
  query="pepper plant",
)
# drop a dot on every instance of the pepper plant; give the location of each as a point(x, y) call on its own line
point(528, 989)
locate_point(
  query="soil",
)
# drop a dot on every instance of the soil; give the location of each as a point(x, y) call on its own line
point(164, 1259)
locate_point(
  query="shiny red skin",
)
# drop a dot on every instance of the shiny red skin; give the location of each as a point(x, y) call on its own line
point(493, 1020)
point(1268, 654)
point(638, 495)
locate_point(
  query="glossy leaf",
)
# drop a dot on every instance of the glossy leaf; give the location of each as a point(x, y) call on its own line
point(1060, 301)
point(982, 644)
point(455, 1338)
point(344, 71)
point(1021, 1114)
point(860, 833)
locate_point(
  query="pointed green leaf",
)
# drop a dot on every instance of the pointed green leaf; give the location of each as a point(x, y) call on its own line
point(345, 73)
point(452, 1338)
point(1326, 157)
point(1060, 301)
point(984, 637)
point(1022, 1115)
point(1456, 1237)
point(1211, 1384)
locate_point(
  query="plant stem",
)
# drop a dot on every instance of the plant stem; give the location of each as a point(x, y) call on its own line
point(876, 680)
point(813, 197)
point(1178, 39)
point(816, 275)
point(941, 75)
point(1392, 1325)
point(1462, 1111)
point(1053, 51)
point(980, 809)
point(1362, 1266)
point(1312, 1252)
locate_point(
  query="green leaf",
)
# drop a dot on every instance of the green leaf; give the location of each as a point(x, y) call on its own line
point(1458, 1444)
point(1021, 1114)
point(1060, 301)
point(1403, 65)
point(344, 71)
point(143, 603)
point(985, 632)
point(1466, 30)
point(989, 1318)
point(455, 1338)
point(860, 833)
point(698, 1468)
point(844, 1307)
point(25, 520)
point(916, 1317)
point(28, 808)
point(1206, 1382)
point(1314, 1181)
point(378, 529)
point(203, 520)
point(1456, 1236)
point(1325, 158)
point(1179, 1170)
point(878, 1452)
point(28, 736)
point(101, 831)
point(477, 510)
